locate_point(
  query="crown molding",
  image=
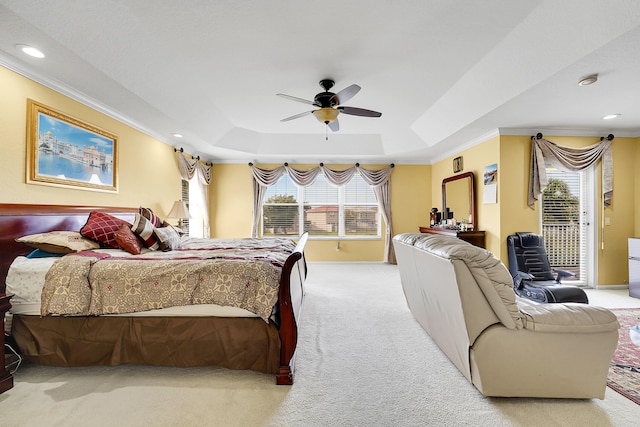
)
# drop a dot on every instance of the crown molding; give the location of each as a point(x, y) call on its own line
point(20, 68)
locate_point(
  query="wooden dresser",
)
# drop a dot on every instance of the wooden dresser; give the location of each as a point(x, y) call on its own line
point(6, 379)
point(475, 237)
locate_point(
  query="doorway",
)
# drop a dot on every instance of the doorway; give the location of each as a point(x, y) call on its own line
point(568, 212)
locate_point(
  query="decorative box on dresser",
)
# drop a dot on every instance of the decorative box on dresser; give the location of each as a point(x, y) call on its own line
point(6, 379)
point(475, 237)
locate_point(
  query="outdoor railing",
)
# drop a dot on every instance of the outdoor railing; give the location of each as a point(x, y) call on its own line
point(562, 242)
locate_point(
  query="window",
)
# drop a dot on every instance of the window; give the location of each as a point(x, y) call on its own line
point(198, 225)
point(321, 209)
point(184, 194)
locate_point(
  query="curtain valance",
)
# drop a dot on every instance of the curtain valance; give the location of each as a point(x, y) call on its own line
point(188, 167)
point(267, 177)
point(569, 159)
point(378, 179)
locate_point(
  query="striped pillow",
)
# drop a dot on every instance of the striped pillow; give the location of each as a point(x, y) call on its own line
point(148, 214)
point(143, 228)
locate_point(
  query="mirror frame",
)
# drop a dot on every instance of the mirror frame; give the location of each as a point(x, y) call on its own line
point(472, 194)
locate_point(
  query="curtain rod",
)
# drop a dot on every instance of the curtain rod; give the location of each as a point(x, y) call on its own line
point(391, 165)
point(608, 137)
point(175, 150)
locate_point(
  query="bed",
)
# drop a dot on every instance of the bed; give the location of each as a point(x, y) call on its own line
point(164, 336)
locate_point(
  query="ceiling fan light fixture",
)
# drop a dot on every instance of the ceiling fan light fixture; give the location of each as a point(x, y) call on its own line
point(326, 115)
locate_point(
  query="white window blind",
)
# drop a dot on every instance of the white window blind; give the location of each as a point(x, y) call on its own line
point(360, 209)
point(184, 194)
point(281, 212)
point(321, 209)
point(562, 221)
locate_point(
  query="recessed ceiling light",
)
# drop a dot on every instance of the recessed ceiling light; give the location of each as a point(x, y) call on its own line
point(178, 135)
point(30, 50)
point(589, 80)
point(611, 116)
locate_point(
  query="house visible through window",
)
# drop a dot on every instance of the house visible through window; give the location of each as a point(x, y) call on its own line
point(321, 209)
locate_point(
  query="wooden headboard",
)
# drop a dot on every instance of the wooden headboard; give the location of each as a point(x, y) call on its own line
point(17, 220)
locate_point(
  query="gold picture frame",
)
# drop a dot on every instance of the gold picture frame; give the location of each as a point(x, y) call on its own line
point(63, 151)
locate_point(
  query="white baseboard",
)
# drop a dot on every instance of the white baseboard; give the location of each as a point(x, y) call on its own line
point(611, 287)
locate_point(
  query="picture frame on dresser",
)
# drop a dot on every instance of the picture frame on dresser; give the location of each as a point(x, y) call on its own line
point(64, 151)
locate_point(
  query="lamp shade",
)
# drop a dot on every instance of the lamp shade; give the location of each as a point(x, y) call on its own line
point(326, 115)
point(179, 210)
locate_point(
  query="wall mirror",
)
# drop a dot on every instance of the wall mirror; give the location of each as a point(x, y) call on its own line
point(458, 194)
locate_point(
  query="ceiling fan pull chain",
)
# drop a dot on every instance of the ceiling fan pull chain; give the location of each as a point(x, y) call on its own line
point(326, 132)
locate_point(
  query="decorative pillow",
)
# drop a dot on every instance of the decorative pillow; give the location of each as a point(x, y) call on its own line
point(39, 253)
point(148, 214)
point(127, 240)
point(143, 228)
point(59, 242)
point(101, 227)
point(180, 231)
point(168, 238)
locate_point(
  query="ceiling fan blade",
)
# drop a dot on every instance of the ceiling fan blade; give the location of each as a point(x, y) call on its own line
point(334, 125)
point(345, 94)
point(296, 116)
point(359, 112)
point(295, 98)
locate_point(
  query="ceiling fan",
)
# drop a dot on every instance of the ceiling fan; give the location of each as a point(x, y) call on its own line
point(330, 105)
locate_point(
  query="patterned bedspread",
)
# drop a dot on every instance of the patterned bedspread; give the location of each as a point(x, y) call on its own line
point(241, 273)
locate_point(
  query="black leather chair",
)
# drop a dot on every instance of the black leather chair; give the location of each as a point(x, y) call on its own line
point(532, 275)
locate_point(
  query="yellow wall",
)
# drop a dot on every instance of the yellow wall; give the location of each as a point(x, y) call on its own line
point(515, 215)
point(474, 159)
point(232, 207)
point(636, 192)
point(148, 172)
point(148, 176)
point(512, 214)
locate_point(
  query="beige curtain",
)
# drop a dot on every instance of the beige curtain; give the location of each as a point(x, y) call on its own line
point(191, 167)
point(569, 159)
point(378, 179)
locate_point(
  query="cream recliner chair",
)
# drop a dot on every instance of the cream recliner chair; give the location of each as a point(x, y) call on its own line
point(504, 345)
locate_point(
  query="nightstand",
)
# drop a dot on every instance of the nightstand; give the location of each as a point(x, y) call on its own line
point(6, 379)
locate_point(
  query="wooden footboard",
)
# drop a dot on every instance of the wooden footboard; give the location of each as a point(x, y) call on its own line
point(17, 220)
point(290, 299)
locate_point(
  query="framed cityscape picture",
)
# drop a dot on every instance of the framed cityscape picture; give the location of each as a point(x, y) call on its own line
point(66, 152)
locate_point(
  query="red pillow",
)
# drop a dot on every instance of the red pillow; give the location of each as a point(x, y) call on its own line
point(127, 240)
point(101, 227)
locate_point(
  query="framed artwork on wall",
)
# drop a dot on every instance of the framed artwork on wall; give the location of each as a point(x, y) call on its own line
point(65, 152)
point(457, 164)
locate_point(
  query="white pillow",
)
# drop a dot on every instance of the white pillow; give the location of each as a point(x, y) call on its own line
point(59, 242)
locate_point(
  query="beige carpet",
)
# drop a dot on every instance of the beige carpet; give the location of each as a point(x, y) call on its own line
point(362, 361)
